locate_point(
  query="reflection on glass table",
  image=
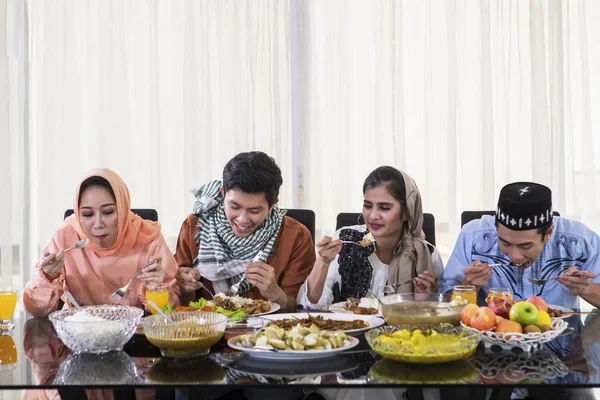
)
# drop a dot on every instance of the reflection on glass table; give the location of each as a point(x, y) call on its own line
point(114, 368)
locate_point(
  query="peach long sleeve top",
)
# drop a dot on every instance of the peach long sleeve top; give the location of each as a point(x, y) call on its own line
point(92, 278)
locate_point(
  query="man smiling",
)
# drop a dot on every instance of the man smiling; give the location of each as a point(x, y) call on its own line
point(233, 222)
point(529, 244)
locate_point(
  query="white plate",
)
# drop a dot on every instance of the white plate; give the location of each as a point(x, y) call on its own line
point(561, 308)
point(274, 308)
point(326, 366)
point(289, 354)
point(340, 308)
point(373, 320)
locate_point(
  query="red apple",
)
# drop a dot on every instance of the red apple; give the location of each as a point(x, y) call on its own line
point(501, 306)
point(484, 319)
point(538, 302)
point(467, 313)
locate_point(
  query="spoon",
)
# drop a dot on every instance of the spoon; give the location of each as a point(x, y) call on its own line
point(394, 286)
point(79, 245)
point(165, 316)
point(71, 299)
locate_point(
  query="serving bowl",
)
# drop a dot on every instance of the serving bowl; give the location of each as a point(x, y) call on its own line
point(249, 326)
point(454, 372)
point(96, 329)
point(188, 371)
point(421, 309)
point(113, 368)
point(191, 333)
point(423, 344)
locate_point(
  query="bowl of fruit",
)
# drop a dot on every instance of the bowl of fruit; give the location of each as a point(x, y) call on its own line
point(511, 323)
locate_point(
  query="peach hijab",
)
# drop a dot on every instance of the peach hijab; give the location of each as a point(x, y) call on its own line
point(131, 229)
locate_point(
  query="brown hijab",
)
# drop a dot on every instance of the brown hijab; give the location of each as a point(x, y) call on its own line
point(411, 255)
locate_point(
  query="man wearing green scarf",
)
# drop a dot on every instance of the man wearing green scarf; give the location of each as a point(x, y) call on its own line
point(235, 222)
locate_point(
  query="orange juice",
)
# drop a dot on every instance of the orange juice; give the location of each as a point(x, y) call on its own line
point(8, 350)
point(8, 301)
point(159, 295)
point(466, 292)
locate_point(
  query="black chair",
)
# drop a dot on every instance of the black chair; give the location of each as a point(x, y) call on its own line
point(468, 216)
point(349, 219)
point(305, 217)
point(146, 213)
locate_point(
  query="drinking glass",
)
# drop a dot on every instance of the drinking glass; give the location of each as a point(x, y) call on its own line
point(8, 301)
point(8, 353)
point(466, 292)
point(159, 294)
point(503, 293)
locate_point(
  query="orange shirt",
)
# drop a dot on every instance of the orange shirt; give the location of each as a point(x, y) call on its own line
point(292, 259)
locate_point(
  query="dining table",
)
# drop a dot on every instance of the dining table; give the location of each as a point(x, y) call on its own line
point(33, 358)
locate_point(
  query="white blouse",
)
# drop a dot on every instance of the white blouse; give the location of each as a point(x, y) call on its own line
point(379, 277)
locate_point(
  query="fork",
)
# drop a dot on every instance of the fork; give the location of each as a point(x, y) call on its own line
point(120, 292)
point(233, 290)
point(543, 281)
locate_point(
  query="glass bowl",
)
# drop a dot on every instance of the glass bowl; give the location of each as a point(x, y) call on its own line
point(191, 334)
point(114, 368)
point(96, 329)
point(421, 309)
point(453, 372)
point(186, 371)
point(461, 344)
point(247, 327)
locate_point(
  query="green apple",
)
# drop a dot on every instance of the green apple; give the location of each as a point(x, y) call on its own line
point(524, 313)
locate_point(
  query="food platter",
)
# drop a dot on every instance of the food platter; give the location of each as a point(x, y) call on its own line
point(370, 321)
point(290, 355)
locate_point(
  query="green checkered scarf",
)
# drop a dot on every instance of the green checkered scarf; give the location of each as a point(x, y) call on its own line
point(223, 256)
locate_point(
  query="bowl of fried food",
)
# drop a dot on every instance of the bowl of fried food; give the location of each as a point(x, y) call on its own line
point(421, 309)
point(423, 345)
point(189, 334)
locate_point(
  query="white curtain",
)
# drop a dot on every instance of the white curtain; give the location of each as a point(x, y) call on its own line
point(464, 95)
point(163, 92)
point(13, 31)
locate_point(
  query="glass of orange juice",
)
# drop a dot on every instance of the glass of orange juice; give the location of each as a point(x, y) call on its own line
point(8, 301)
point(8, 353)
point(159, 294)
point(503, 293)
point(466, 292)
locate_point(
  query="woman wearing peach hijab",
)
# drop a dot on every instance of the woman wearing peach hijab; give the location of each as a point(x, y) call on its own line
point(120, 244)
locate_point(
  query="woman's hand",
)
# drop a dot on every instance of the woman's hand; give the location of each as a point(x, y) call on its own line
point(154, 274)
point(52, 264)
point(425, 282)
point(327, 249)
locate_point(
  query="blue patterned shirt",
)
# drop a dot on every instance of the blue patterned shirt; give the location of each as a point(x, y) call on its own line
point(571, 244)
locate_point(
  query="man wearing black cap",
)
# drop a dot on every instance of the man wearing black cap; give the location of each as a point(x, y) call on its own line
point(527, 243)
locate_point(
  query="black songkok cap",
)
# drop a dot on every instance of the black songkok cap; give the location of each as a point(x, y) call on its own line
point(524, 205)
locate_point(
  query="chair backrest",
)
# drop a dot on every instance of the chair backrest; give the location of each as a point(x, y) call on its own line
point(305, 217)
point(468, 216)
point(146, 213)
point(349, 219)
